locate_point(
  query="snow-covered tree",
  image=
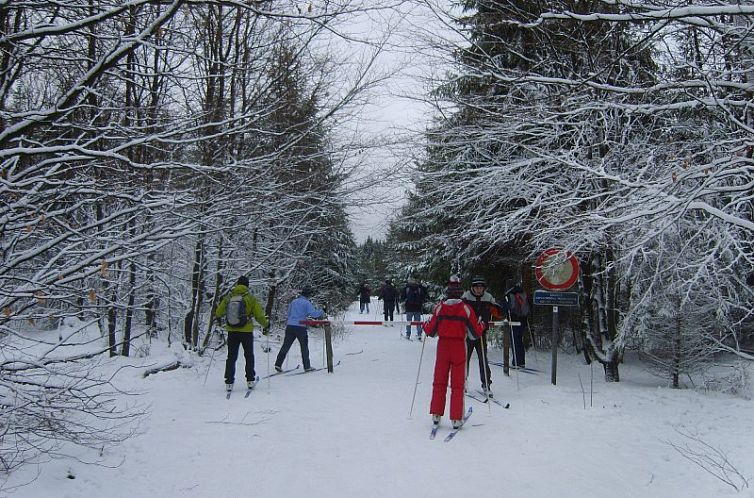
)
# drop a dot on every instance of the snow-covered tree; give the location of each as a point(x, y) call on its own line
point(139, 169)
point(588, 127)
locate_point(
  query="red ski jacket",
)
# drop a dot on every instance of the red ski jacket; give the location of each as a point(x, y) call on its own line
point(453, 318)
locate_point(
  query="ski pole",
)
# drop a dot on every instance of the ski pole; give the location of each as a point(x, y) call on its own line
point(211, 358)
point(531, 337)
point(268, 358)
point(483, 345)
point(513, 347)
point(418, 371)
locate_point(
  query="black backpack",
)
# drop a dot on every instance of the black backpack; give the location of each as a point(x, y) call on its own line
point(519, 304)
point(413, 295)
point(235, 313)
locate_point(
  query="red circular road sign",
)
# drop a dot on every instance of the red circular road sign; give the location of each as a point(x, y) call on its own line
point(556, 270)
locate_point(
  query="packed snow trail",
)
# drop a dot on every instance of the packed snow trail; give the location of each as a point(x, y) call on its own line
point(304, 435)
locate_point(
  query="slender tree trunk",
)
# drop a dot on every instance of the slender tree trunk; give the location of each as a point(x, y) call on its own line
point(587, 320)
point(126, 348)
point(150, 306)
point(189, 325)
point(271, 292)
point(199, 302)
point(112, 319)
point(216, 296)
point(677, 346)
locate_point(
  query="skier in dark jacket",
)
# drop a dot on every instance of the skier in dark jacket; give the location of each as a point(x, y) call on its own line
point(518, 306)
point(482, 302)
point(365, 295)
point(388, 295)
point(413, 297)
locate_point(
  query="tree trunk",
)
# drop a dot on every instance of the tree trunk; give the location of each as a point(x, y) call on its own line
point(190, 326)
point(112, 316)
point(585, 309)
point(611, 369)
point(677, 347)
point(216, 297)
point(600, 338)
point(271, 295)
point(150, 306)
point(188, 320)
point(126, 348)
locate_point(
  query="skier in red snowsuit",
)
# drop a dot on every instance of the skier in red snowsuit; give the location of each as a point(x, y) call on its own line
point(452, 321)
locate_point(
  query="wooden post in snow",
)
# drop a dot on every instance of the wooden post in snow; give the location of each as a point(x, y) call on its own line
point(507, 333)
point(328, 346)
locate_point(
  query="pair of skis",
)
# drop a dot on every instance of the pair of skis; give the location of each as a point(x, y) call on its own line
point(527, 370)
point(452, 433)
point(312, 370)
point(246, 395)
point(273, 374)
point(408, 338)
point(248, 390)
point(484, 398)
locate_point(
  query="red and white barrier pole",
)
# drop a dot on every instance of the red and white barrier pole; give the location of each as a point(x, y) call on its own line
point(382, 322)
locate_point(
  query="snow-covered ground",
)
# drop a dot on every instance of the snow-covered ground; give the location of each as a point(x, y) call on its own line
point(349, 434)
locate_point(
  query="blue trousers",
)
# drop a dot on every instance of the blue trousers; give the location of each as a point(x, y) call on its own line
point(413, 316)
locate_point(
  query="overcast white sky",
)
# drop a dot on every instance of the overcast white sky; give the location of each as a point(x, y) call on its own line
point(395, 112)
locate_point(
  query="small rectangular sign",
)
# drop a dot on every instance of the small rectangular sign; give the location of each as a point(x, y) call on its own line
point(550, 298)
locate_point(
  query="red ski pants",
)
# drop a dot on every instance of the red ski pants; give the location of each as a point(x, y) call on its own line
point(450, 361)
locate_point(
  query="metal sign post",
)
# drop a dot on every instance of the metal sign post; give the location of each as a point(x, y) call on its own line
point(556, 271)
point(555, 341)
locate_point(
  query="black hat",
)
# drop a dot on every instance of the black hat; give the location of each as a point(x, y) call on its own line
point(307, 291)
point(478, 280)
point(243, 280)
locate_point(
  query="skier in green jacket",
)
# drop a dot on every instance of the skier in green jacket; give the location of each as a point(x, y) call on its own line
point(238, 307)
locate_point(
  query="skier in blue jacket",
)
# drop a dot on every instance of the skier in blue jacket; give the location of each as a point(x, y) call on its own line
point(299, 310)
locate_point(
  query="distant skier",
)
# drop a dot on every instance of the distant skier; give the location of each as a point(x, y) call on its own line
point(413, 297)
point(388, 295)
point(299, 310)
point(365, 295)
point(452, 321)
point(237, 307)
point(518, 305)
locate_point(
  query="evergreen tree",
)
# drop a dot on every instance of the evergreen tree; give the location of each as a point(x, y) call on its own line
point(508, 173)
